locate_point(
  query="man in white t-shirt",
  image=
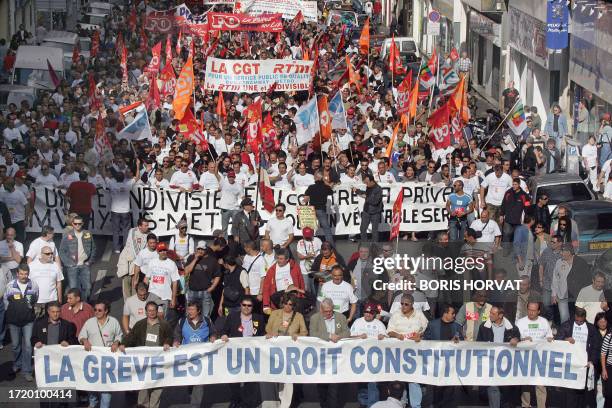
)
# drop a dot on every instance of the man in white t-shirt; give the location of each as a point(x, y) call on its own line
point(280, 228)
point(48, 276)
point(17, 205)
point(231, 196)
point(496, 184)
point(11, 251)
point(45, 239)
point(162, 277)
point(591, 298)
point(120, 189)
point(368, 326)
point(308, 248)
point(144, 256)
point(209, 180)
point(183, 179)
point(534, 327)
point(253, 264)
point(341, 293)
point(491, 234)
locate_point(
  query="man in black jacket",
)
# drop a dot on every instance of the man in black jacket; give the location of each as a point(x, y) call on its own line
point(244, 323)
point(246, 223)
point(52, 329)
point(540, 213)
point(316, 195)
point(372, 207)
point(497, 329)
point(514, 203)
point(584, 333)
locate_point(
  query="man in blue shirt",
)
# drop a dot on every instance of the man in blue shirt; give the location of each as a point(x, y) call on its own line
point(458, 205)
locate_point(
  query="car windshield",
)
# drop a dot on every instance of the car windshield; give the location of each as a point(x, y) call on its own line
point(563, 193)
point(64, 46)
point(404, 47)
point(594, 221)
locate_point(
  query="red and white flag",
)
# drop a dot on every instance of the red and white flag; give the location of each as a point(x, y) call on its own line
point(396, 219)
point(155, 62)
point(439, 132)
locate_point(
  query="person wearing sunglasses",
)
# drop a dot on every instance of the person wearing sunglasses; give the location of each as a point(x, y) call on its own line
point(162, 277)
point(183, 179)
point(76, 251)
point(48, 276)
point(181, 242)
point(243, 323)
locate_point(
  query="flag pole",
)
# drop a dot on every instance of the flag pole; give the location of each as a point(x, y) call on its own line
point(500, 124)
point(258, 182)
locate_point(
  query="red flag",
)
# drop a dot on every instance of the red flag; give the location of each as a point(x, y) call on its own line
point(168, 80)
point(178, 43)
point(221, 111)
point(403, 94)
point(397, 215)
point(153, 100)
point(188, 124)
point(101, 142)
point(119, 43)
point(267, 194)
point(53, 75)
point(414, 100)
point(271, 142)
point(128, 108)
point(297, 20)
point(271, 89)
point(75, 54)
point(432, 63)
point(459, 102)
point(253, 131)
point(144, 43)
point(353, 76)
point(341, 43)
point(439, 132)
point(95, 44)
point(155, 62)
point(454, 55)
point(395, 60)
point(364, 39)
point(124, 65)
point(94, 102)
point(168, 50)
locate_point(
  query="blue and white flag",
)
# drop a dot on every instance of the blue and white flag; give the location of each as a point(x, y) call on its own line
point(138, 129)
point(449, 79)
point(307, 121)
point(338, 113)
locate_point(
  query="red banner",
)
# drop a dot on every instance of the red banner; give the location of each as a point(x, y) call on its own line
point(269, 23)
point(160, 22)
point(199, 30)
point(439, 132)
point(168, 81)
point(155, 62)
point(397, 216)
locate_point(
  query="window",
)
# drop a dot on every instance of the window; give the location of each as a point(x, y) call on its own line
point(563, 193)
point(593, 223)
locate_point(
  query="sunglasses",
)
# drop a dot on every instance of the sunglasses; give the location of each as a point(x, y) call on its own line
point(98, 310)
point(246, 305)
point(77, 223)
point(47, 253)
point(279, 210)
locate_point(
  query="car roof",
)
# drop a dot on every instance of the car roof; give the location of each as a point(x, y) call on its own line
point(556, 178)
point(66, 37)
point(591, 205)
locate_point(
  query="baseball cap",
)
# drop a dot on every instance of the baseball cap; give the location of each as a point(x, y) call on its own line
point(161, 247)
point(20, 174)
point(231, 174)
point(201, 245)
point(370, 308)
point(307, 232)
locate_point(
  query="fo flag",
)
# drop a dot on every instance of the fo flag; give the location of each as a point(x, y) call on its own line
point(307, 122)
point(397, 215)
point(439, 132)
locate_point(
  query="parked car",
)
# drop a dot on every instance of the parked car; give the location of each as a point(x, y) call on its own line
point(407, 46)
point(603, 264)
point(560, 188)
point(594, 221)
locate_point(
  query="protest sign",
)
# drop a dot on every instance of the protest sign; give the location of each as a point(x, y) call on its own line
point(271, 23)
point(311, 360)
point(257, 75)
point(424, 209)
point(288, 8)
point(307, 216)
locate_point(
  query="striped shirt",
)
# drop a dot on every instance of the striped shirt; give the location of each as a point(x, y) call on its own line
point(605, 349)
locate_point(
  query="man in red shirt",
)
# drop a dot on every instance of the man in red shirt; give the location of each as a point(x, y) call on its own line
point(79, 196)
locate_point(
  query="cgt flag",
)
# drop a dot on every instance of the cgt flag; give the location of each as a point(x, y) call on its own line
point(397, 216)
point(307, 122)
point(155, 62)
point(439, 132)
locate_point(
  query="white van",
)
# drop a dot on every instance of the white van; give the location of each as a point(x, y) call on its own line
point(16, 94)
point(405, 45)
point(66, 40)
point(92, 21)
point(32, 66)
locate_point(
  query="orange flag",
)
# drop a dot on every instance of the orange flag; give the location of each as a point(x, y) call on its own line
point(364, 39)
point(183, 90)
point(324, 119)
point(392, 142)
point(353, 77)
point(221, 111)
point(414, 99)
point(459, 101)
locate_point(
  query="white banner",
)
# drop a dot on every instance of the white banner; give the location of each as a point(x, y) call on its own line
point(288, 8)
point(424, 209)
point(257, 75)
point(311, 360)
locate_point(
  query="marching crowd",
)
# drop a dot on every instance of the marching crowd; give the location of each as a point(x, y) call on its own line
point(243, 283)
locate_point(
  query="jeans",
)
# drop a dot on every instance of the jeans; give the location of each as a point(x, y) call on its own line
point(2, 326)
point(79, 276)
point(324, 223)
point(546, 304)
point(415, 395)
point(226, 215)
point(22, 349)
point(20, 230)
point(121, 224)
point(204, 298)
point(103, 397)
point(564, 314)
point(366, 219)
point(368, 395)
point(457, 228)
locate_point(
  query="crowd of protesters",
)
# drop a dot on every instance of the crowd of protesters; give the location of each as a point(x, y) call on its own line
point(244, 282)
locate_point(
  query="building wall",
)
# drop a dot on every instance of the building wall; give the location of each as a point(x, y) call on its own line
point(4, 19)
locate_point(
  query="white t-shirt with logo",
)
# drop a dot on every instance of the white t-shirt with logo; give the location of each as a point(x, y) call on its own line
point(342, 295)
point(372, 329)
point(185, 180)
point(144, 257)
point(161, 274)
point(497, 188)
point(303, 181)
point(580, 333)
point(46, 276)
point(120, 195)
point(283, 277)
point(538, 330)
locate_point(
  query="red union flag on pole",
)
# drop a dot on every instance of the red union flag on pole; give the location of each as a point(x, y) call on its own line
point(155, 62)
point(403, 94)
point(397, 216)
point(439, 132)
